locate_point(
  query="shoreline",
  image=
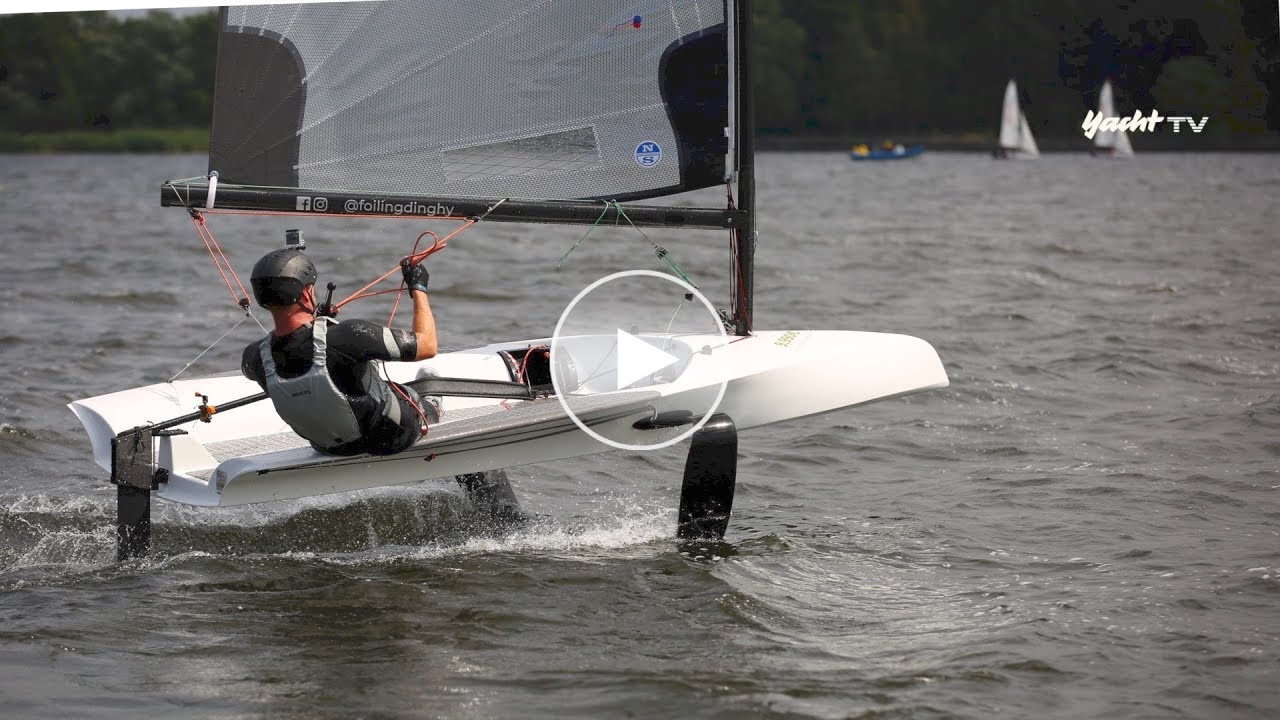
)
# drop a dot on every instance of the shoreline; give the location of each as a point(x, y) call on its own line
point(133, 140)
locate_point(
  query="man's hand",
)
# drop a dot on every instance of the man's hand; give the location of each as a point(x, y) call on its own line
point(415, 276)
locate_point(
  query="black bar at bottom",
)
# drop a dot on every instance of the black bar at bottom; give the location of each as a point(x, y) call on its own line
point(133, 522)
point(469, 387)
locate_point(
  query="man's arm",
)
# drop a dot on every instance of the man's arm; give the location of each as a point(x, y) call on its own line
point(424, 323)
point(251, 364)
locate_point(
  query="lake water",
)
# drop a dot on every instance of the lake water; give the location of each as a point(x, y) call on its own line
point(1085, 524)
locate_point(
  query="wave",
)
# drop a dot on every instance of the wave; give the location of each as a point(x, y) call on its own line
point(409, 522)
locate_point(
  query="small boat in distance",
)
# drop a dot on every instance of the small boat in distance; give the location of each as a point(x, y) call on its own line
point(1110, 143)
point(1016, 140)
point(888, 151)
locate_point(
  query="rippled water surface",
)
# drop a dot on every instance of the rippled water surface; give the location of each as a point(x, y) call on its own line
point(1083, 525)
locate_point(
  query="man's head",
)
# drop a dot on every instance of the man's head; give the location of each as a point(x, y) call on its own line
point(281, 277)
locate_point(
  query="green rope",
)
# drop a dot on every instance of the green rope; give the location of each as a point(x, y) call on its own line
point(584, 236)
point(660, 251)
point(665, 257)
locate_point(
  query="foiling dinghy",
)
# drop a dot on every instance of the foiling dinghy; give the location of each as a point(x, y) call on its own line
point(566, 112)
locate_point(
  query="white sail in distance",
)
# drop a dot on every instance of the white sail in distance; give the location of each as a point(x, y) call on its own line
point(1016, 139)
point(1115, 142)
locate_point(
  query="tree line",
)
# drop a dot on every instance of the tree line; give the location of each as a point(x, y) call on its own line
point(825, 68)
point(845, 67)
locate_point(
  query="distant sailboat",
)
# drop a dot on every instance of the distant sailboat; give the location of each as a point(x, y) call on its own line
point(1016, 140)
point(1113, 143)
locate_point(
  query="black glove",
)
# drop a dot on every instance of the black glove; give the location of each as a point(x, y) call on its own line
point(415, 276)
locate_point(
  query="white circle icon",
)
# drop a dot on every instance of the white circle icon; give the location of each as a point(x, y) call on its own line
point(638, 341)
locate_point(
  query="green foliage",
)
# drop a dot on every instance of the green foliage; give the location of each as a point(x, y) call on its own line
point(140, 140)
point(1232, 102)
point(95, 71)
point(779, 42)
point(939, 66)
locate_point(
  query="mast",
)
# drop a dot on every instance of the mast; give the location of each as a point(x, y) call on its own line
point(745, 233)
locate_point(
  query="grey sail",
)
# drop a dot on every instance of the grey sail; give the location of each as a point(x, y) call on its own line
point(490, 99)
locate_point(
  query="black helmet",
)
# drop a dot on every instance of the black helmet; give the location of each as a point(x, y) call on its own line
point(280, 277)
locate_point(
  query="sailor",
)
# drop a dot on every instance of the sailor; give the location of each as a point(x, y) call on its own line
point(320, 374)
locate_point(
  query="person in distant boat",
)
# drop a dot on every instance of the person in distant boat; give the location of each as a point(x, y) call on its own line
point(321, 374)
point(861, 149)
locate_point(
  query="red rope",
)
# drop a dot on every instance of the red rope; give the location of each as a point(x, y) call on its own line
point(524, 363)
point(416, 406)
point(415, 256)
point(435, 246)
point(740, 288)
point(219, 259)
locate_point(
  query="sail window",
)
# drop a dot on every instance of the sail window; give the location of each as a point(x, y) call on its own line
point(566, 151)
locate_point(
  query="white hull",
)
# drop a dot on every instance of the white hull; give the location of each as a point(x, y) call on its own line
point(248, 454)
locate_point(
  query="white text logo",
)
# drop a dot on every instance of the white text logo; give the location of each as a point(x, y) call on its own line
point(1094, 122)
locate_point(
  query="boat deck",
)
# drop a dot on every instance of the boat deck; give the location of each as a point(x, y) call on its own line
point(513, 419)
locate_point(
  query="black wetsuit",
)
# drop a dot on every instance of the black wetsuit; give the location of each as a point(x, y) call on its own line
point(352, 344)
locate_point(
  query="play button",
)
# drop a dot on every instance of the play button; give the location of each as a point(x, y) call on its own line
point(638, 360)
point(639, 354)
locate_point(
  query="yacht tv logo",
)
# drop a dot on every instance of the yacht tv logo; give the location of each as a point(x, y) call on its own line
point(1095, 122)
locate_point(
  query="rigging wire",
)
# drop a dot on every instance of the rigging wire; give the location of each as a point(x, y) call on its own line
point(620, 214)
point(215, 342)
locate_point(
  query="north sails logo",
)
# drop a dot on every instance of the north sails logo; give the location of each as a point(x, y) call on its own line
point(648, 153)
point(1094, 122)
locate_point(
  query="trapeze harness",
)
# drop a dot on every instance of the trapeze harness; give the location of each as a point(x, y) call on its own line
point(313, 405)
